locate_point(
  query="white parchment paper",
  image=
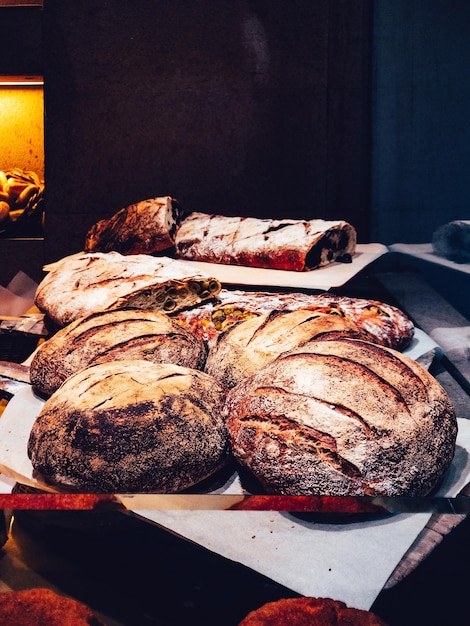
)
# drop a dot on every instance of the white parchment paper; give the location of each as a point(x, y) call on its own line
point(349, 561)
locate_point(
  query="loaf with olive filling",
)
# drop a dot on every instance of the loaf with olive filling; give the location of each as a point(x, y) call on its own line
point(384, 323)
point(84, 283)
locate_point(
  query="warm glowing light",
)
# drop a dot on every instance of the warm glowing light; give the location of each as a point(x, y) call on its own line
point(7, 80)
point(22, 127)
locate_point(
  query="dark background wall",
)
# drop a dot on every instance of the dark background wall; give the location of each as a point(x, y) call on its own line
point(331, 108)
point(421, 118)
point(248, 107)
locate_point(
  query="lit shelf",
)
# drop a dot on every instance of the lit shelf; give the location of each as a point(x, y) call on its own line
point(28, 80)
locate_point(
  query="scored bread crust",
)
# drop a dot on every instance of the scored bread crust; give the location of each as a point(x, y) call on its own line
point(385, 323)
point(40, 605)
point(295, 245)
point(81, 284)
point(144, 227)
point(131, 426)
point(308, 611)
point(342, 417)
point(246, 347)
point(113, 335)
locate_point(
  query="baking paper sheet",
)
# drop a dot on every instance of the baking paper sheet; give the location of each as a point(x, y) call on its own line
point(333, 275)
point(425, 252)
point(348, 561)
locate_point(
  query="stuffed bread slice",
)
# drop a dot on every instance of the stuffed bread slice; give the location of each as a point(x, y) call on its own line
point(85, 283)
point(295, 245)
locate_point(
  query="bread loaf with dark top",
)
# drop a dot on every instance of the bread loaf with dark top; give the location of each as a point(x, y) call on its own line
point(131, 426)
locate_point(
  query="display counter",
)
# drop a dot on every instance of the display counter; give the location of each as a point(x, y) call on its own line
point(135, 571)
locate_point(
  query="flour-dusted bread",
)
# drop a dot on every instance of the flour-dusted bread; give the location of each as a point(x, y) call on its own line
point(386, 324)
point(120, 334)
point(81, 284)
point(307, 611)
point(131, 426)
point(40, 606)
point(342, 417)
point(246, 347)
point(295, 245)
point(146, 227)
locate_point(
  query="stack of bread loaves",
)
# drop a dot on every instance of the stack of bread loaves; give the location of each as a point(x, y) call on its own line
point(147, 392)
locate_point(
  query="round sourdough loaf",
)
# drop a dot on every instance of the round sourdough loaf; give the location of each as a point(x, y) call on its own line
point(113, 335)
point(41, 606)
point(247, 346)
point(310, 612)
point(342, 417)
point(131, 426)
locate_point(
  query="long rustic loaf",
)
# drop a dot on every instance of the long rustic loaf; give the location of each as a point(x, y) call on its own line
point(131, 426)
point(385, 323)
point(113, 335)
point(97, 281)
point(295, 245)
point(342, 417)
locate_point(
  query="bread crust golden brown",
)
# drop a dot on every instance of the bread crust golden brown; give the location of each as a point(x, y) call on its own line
point(245, 347)
point(386, 324)
point(342, 417)
point(113, 335)
point(131, 426)
point(41, 606)
point(309, 611)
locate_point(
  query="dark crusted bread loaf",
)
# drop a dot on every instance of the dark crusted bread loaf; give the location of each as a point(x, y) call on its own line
point(131, 426)
point(145, 227)
point(40, 606)
point(342, 417)
point(310, 612)
point(247, 346)
point(113, 335)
